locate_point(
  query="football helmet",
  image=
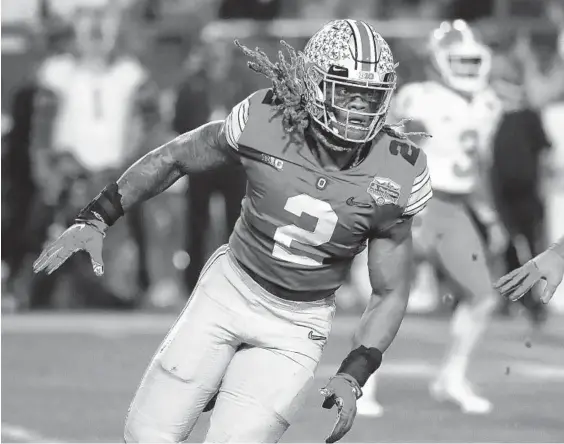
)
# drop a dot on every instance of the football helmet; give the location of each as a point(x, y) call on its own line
point(462, 61)
point(349, 55)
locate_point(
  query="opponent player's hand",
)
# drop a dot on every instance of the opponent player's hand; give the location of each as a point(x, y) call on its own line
point(80, 236)
point(548, 265)
point(340, 392)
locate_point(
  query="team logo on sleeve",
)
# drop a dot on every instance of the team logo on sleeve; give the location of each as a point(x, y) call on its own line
point(272, 161)
point(384, 191)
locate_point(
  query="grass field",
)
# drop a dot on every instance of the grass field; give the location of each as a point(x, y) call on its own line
point(69, 377)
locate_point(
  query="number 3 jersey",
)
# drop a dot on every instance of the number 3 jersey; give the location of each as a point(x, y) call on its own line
point(301, 225)
point(461, 130)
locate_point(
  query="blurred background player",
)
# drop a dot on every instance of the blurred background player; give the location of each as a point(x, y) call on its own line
point(519, 151)
point(96, 108)
point(542, 58)
point(95, 125)
point(460, 111)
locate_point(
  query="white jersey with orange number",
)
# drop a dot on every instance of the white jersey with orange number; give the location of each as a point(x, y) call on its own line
point(461, 130)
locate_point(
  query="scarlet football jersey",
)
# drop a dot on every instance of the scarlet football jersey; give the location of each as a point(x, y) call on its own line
point(301, 225)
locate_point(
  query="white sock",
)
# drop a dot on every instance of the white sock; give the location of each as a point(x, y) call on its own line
point(467, 327)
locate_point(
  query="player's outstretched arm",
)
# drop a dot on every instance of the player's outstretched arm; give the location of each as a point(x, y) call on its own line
point(201, 149)
point(549, 266)
point(389, 261)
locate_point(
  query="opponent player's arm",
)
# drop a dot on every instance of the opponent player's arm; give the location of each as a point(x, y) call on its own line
point(549, 266)
point(482, 201)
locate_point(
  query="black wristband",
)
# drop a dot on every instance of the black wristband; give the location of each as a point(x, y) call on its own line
point(361, 363)
point(105, 207)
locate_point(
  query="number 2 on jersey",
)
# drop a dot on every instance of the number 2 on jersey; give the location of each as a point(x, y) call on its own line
point(324, 229)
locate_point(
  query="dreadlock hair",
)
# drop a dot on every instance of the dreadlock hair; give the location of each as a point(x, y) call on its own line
point(288, 83)
point(291, 90)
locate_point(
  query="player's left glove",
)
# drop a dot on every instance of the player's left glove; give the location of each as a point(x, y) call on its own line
point(343, 391)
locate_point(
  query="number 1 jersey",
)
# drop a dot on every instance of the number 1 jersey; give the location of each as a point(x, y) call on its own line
point(301, 225)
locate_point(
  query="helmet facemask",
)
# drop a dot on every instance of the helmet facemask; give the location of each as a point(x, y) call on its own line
point(352, 110)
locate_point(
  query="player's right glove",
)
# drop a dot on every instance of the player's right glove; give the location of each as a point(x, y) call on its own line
point(87, 236)
point(548, 265)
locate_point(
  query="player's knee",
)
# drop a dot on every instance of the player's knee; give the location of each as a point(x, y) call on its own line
point(137, 431)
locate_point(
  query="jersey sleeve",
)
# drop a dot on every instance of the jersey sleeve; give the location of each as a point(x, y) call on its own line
point(235, 122)
point(421, 192)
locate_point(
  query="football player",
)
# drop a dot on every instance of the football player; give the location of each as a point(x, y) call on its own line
point(548, 266)
point(460, 111)
point(325, 175)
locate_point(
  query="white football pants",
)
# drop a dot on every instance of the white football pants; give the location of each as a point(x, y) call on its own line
point(260, 351)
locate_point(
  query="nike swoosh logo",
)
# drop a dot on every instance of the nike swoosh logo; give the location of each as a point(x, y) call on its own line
point(353, 203)
point(315, 337)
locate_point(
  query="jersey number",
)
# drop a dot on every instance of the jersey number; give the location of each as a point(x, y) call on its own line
point(406, 150)
point(465, 166)
point(288, 234)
